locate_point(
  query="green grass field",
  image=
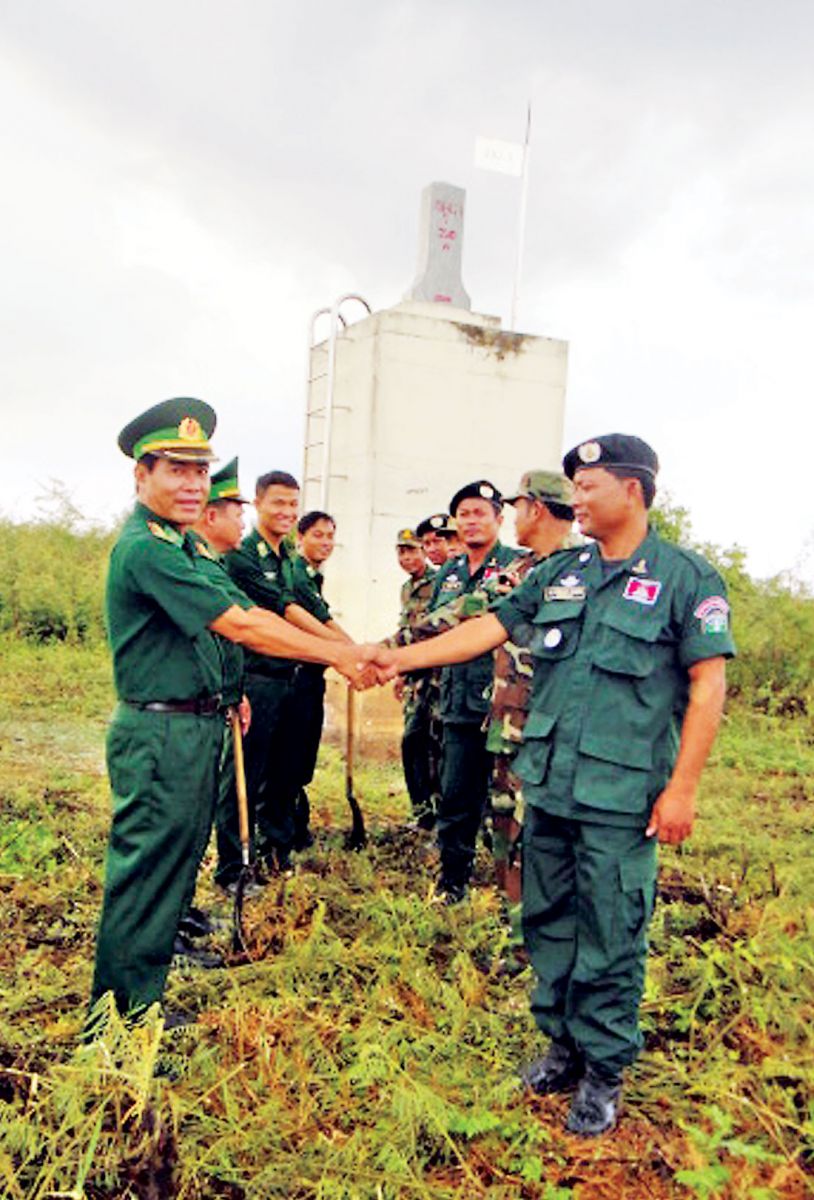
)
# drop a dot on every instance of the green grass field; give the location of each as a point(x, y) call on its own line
point(369, 1049)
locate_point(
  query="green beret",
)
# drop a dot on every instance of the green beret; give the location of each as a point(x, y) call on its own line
point(613, 451)
point(480, 489)
point(223, 485)
point(177, 429)
point(548, 486)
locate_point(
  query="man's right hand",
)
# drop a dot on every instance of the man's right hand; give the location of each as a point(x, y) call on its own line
point(355, 663)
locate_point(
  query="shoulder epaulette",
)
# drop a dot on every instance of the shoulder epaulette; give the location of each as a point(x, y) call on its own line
point(166, 535)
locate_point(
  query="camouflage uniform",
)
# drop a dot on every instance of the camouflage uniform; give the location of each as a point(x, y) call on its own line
point(418, 754)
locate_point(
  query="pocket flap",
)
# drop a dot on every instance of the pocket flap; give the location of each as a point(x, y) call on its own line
point(624, 750)
point(635, 620)
point(551, 612)
point(538, 724)
point(638, 873)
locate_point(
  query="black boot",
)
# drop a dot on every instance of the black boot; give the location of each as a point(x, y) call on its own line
point(593, 1109)
point(556, 1071)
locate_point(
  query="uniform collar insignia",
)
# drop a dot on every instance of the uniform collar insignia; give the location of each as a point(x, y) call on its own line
point(203, 549)
point(262, 549)
point(640, 567)
point(165, 532)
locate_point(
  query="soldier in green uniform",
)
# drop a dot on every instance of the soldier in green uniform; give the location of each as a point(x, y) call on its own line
point(543, 517)
point(166, 737)
point(315, 542)
point(261, 568)
point(218, 531)
point(416, 748)
point(466, 688)
point(629, 637)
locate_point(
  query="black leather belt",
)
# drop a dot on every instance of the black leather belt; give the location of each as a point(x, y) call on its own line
point(204, 706)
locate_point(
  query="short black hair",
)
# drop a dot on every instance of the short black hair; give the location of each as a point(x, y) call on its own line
point(281, 478)
point(645, 478)
point(148, 461)
point(307, 520)
point(560, 512)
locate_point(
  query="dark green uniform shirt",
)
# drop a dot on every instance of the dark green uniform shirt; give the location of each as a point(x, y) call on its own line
point(466, 688)
point(611, 653)
point(263, 575)
point(158, 605)
point(305, 582)
point(212, 565)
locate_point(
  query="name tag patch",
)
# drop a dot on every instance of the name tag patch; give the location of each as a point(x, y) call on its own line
point(643, 591)
point(713, 613)
point(560, 592)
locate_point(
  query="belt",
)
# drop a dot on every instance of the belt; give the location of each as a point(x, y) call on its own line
point(204, 706)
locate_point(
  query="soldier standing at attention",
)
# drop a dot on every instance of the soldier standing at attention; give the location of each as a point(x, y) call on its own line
point(629, 637)
point(316, 534)
point(466, 688)
point(261, 568)
point(165, 740)
point(415, 743)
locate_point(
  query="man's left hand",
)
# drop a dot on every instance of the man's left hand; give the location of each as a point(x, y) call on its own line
point(673, 815)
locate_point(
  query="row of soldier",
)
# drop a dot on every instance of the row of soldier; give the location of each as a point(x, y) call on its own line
point(624, 640)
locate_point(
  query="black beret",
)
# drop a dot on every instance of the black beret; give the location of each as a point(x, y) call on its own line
point(480, 489)
point(438, 523)
point(614, 451)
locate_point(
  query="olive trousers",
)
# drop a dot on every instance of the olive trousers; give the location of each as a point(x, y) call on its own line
point(163, 770)
point(588, 896)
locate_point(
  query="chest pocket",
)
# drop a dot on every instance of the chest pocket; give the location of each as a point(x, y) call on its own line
point(627, 642)
point(555, 629)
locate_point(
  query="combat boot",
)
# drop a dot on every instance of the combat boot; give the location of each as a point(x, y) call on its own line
point(594, 1107)
point(556, 1071)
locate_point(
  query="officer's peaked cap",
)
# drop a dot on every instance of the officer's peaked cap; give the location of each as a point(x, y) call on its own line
point(178, 429)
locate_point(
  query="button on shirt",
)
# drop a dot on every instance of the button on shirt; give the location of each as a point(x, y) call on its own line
point(158, 604)
point(611, 656)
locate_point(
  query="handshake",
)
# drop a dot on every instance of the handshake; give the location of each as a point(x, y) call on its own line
point(366, 665)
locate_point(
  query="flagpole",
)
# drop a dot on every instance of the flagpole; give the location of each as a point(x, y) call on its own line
point(521, 220)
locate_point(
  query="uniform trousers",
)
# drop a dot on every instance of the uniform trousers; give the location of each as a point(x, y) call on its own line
point(588, 896)
point(163, 772)
point(465, 772)
point(416, 752)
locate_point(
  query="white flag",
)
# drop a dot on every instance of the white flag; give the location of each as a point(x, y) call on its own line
point(494, 155)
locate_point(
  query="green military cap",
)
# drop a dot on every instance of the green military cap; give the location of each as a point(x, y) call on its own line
point(223, 485)
point(548, 486)
point(614, 451)
point(480, 489)
point(178, 429)
point(440, 523)
point(407, 537)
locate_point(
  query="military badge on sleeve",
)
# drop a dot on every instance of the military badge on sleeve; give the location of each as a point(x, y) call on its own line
point(713, 614)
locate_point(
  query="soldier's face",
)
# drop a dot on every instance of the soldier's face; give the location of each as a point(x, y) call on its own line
point(526, 515)
point(176, 491)
point(277, 509)
point(411, 559)
point(602, 502)
point(478, 522)
point(224, 525)
point(317, 543)
point(435, 548)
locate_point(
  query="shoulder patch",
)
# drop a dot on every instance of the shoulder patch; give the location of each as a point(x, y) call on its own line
point(164, 534)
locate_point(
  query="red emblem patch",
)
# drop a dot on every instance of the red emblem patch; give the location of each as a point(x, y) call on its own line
point(643, 591)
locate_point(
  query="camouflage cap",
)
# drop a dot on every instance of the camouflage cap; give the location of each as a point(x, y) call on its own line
point(440, 523)
point(408, 537)
point(223, 485)
point(613, 451)
point(479, 489)
point(177, 429)
point(548, 486)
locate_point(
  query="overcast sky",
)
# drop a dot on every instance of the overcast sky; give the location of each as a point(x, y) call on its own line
point(185, 182)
